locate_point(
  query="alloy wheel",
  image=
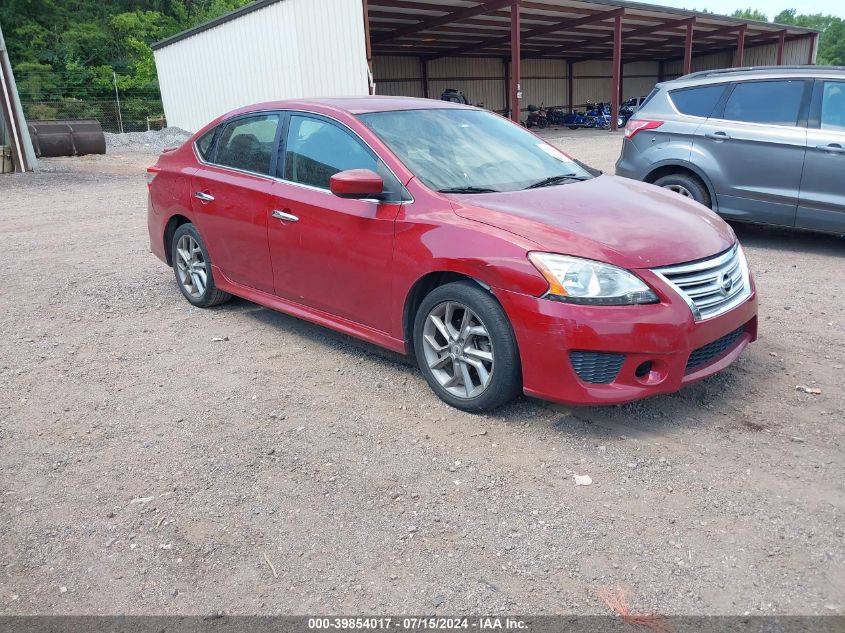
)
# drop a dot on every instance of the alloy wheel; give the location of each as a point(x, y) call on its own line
point(458, 349)
point(680, 189)
point(191, 267)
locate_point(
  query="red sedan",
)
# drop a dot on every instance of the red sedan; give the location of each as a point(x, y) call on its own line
point(450, 233)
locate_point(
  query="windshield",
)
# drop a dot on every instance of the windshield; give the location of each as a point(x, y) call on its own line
point(471, 151)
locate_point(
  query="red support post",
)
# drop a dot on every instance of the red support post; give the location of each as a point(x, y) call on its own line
point(811, 56)
point(617, 72)
point(516, 88)
point(570, 88)
point(740, 46)
point(688, 48)
point(368, 46)
point(781, 39)
point(424, 77)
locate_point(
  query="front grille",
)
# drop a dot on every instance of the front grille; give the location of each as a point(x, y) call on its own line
point(712, 286)
point(711, 351)
point(596, 367)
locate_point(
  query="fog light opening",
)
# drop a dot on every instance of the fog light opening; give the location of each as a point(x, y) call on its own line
point(651, 372)
point(643, 370)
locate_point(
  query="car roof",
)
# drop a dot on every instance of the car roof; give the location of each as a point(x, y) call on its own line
point(359, 105)
point(757, 72)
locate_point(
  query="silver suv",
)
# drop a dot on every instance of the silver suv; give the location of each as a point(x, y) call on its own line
point(762, 144)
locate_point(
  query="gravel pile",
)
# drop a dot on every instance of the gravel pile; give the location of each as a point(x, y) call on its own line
point(150, 142)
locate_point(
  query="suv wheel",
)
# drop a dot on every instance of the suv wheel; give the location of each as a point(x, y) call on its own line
point(192, 267)
point(686, 186)
point(466, 349)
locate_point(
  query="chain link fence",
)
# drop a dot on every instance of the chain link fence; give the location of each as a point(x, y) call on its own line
point(126, 115)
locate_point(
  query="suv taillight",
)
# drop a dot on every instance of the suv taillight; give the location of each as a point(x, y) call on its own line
point(636, 125)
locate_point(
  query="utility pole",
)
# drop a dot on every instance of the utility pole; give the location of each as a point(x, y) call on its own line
point(117, 99)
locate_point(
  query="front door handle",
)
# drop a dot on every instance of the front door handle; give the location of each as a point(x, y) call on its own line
point(718, 136)
point(205, 197)
point(833, 148)
point(283, 215)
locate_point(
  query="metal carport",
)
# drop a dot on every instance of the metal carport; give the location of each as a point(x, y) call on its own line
point(574, 31)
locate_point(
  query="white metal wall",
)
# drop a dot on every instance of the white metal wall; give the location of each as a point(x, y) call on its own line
point(481, 79)
point(289, 49)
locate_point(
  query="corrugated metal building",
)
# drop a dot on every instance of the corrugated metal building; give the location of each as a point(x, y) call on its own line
point(504, 54)
point(269, 50)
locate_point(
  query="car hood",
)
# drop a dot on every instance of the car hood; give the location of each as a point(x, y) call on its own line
point(624, 222)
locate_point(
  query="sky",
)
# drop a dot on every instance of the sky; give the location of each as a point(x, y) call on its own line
point(770, 8)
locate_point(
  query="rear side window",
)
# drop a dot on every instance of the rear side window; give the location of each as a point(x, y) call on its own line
point(248, 143)
point(697, 101)
point(833, 106)
point(772, 102)
point(204, 144)
point(650, 96)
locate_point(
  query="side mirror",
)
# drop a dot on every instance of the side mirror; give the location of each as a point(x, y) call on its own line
point(356, 183)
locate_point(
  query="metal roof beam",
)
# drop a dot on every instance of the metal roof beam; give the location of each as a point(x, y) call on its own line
point(561, 25)
point(643, 30)
point(454, 16)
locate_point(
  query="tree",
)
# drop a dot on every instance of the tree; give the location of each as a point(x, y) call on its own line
point(832, 41)
point(750, 14)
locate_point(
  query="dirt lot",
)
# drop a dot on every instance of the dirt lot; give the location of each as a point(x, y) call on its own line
point(148, 468)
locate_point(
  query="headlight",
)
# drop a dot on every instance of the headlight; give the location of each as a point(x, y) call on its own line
point(584, 281)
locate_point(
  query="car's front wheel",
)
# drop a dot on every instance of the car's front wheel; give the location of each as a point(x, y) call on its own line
point(466, 348)
point(192, 267)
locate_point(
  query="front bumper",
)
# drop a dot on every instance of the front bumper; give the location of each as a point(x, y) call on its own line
point(656, 342)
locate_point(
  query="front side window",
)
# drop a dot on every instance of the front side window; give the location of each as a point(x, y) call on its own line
point(317, 149)
point(471, 151)
point(833, 106)
point(697, 101)
point(248, 143)
point(771, 102)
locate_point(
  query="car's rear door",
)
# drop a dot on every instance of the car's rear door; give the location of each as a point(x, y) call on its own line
point(330, 253)
point(822, 200)
point(231, 198)
point(754, 145)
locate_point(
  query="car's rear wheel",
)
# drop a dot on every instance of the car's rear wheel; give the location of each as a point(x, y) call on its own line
point(466, 348)
point(685, 185)
point(192, 267)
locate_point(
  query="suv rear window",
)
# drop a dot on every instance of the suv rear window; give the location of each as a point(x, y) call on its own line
point(772, 102)
point(698, 101)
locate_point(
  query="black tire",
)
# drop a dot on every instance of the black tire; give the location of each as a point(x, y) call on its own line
point(573, 127)
point(681, 182)
point(210, 295)
point(505, 381)
point(542, 123)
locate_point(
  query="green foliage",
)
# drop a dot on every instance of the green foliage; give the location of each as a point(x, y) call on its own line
point(832, 42)
point(70, 53)
point(750, 14)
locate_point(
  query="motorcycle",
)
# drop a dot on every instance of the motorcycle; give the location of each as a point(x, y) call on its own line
point(537, 117)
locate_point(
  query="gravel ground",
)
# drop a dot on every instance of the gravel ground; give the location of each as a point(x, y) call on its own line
point(161, 459)
point(150, 142)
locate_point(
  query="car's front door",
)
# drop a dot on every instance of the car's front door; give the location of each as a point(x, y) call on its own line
point(754, 145)
point(822, 200)
point(231, 197)
point(331, 253)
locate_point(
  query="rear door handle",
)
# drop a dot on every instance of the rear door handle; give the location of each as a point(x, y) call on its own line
point(283, 215)
point(205, 197)
point(718, 136)
point(833, 148)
